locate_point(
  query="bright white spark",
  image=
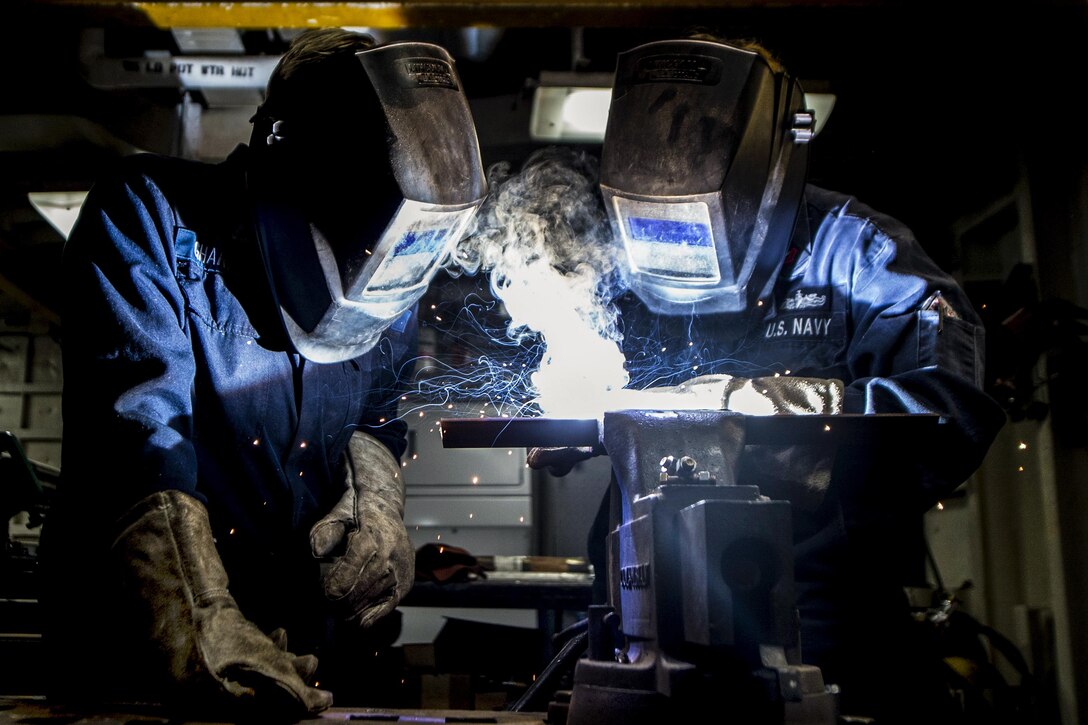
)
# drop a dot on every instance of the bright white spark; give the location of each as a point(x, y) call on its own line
point(579, 366)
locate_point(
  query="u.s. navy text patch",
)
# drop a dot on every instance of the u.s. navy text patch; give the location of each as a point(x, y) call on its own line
point(804, 313)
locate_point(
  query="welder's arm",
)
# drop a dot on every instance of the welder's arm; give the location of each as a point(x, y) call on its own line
point(918, 347)
point(129, 375)
point(373, 560)
point(128, 362)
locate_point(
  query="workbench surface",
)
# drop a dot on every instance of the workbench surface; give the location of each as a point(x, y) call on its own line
point(19, 711)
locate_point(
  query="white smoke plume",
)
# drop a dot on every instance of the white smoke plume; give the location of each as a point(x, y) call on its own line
point(544, 239)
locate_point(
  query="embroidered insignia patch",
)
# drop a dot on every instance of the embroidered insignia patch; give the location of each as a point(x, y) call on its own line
point(805, 299)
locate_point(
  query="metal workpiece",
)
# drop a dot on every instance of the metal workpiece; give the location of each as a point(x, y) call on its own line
point(520, 432)
point(525, 432)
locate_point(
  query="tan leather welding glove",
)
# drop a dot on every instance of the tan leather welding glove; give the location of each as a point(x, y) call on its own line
point(213, 659)
point(770, 395)
point(783, 395)
point(798, 473)
point(373, 560)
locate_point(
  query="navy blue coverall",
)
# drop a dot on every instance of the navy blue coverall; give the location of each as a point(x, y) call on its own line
point(176, 377)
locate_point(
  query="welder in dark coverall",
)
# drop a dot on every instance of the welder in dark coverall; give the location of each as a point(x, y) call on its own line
point(736, 267)
point(235, 335)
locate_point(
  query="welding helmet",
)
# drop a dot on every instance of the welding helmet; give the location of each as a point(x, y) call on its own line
point(366, 171)
point(702, 172)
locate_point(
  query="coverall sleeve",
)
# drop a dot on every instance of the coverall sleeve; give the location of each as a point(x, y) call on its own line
point(128, 361)
point(917, 346)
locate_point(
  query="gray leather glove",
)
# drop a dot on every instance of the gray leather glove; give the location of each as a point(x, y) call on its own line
point(212, 656)
point(374, 561)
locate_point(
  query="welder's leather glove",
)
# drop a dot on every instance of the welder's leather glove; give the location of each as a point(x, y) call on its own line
point(373, 563)
point(783, 395)
point(560, 460)
point(770, 395)
point(798, 473)
point(212, 657)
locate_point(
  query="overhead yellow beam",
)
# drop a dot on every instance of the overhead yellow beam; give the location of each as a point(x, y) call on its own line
point(279, 15)
point(420, 13)
point(255, 14)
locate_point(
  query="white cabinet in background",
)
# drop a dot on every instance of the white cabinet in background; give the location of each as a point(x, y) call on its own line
point(479, 499)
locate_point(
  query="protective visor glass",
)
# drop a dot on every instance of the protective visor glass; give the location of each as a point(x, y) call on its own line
point(672, 241)
point(393, 279)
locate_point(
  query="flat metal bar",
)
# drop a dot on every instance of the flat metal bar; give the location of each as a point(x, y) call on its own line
point(842, 428)
point(761, 430)
point(518, 432)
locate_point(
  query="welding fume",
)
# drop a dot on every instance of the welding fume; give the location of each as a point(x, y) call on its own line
point(704, 273)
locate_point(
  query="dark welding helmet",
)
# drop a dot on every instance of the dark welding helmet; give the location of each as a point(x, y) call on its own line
point(362, 182)
point(702, 172)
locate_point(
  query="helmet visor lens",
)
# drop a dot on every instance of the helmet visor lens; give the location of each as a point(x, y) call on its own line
point(403, 263)
point(410, 249)
point(672, 241)
point(393, 279)
point(677, 249)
